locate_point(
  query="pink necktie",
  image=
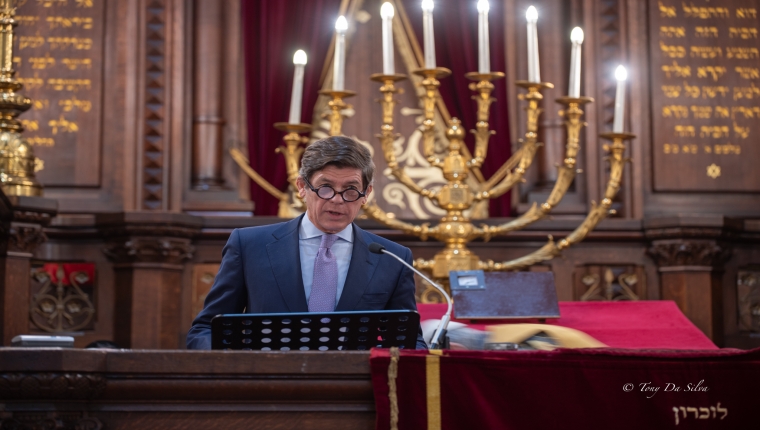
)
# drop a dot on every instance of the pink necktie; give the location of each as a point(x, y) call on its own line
point(324, 286)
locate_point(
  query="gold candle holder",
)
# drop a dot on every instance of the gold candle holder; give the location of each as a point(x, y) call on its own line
point(431, 83)
point(484, 88)
point(337, 105)
point(292, 149)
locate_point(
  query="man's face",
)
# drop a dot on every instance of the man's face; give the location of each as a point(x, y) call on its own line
point(332, 216)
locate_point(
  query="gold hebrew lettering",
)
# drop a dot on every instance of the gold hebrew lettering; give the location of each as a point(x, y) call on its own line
point(742, 32)
point(706, 31)
point(667, 11)
point(751, 92)
point(84, 3)
point(41, 141)
point(685, 131)
point(677, 111)
point(704, 12)
point(746, 12)
point(39, 104)
point(709, 92)
point(58, 84)
point(670, 148)
point(673, 51)
point(705, 51)
point(75, 63)
point(721, 112)
point(691, 409)
point(74, 103)
point(51, 3)
point(691, 90)
point(30, 41)
point(670, 31)
point(25, 20)
point(32, 83)
point(675, 409)
point(63, 125)
point(701, 111)
point(42, 63)
point(671, 91)
point(30, 124)
point(741, 132)
point(727, 149)
point(714, 131)
point(79, 43)
point(748, 72)
point(742, 53)
point(715, 71)
point(747, 112)
point(677, 71)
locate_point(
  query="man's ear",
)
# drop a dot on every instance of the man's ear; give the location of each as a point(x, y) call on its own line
point(301, 187)
point(366, 196)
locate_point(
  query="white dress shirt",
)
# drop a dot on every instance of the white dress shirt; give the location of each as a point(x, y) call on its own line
point(309, 239)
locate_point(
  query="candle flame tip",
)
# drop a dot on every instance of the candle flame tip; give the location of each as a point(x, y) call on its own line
point(483, 6)
point(341, 25)
point(299, 58)
point(531, 14)
point(621, 74)
point(427, 5)
point(386, 10)
point(577, 35)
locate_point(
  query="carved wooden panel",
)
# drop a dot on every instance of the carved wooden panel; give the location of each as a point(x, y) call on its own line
point(59, 59)
point(748, 296)
point(609, 283)
point(62, 297)
point(203, 279)
point(705, 86)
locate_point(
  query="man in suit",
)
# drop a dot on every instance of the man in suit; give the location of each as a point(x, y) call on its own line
point(318, 262)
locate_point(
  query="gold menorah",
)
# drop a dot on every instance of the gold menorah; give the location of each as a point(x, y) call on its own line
point(455, 229)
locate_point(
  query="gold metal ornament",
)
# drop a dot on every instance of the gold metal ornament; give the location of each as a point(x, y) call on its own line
point(17, 161)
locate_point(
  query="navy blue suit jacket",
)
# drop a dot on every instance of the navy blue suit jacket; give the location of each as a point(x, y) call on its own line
point(261, 273)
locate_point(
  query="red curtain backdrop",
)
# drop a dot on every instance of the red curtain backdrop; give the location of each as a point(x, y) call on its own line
point(456, 48)
point(272, 32)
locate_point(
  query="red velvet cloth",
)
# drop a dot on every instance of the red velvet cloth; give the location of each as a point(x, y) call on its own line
point(456, 48)
point(575, 389)
point(640, 325)
point(272, 32)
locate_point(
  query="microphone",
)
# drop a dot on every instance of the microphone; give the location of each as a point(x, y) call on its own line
point(437, 340)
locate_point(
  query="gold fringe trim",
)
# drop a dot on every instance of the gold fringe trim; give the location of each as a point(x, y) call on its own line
point(392, 375)
point(433, 382)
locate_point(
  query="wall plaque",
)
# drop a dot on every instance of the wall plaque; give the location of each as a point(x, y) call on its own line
point(705, 58)
point(58, 57)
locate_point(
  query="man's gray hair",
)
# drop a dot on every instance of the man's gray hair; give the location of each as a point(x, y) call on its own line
point(338, 151)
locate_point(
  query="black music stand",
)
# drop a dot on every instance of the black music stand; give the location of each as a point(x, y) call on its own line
point(342, 331)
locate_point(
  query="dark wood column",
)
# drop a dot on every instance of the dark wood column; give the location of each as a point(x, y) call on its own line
point(149, 251)
point(22, 219)
point(690, 252)
point(207, 95)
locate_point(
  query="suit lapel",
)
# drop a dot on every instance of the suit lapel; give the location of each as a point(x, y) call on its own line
point(285, 261)
point(360, 271)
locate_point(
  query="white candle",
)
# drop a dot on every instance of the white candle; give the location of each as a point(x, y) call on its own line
point(574, 87)
point(484, 54)
point(386, 12)
point(339, 63)
point(621, 75)
point(296, 96)
point(534, 74)
point(427, 32)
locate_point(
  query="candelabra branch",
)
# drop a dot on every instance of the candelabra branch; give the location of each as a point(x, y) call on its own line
point(337, 106)
point(597, 213)
point(422, 231)
point(566, 171)
point(484, 88)
point(431, 83)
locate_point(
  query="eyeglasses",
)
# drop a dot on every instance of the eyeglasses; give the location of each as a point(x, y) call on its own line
point(327, 192)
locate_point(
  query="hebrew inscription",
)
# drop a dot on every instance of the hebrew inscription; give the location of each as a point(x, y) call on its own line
point(705, 95)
